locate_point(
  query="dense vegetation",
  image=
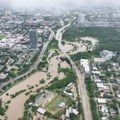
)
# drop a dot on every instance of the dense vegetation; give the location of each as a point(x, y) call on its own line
point(2, 110)
point(81, 55)
point(90, 88)
point(59, 84)
point(73, 117)
point(94, 109)
point(53, 44)
point(109, 37)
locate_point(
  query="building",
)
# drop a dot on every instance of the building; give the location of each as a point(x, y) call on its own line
point(69, 111)
point(33, 39)
point(85, 64)
point(41, 111)
point(99, 60)
point(102, 101)
point(62, 105)
point(81, 19)
point(106, 54)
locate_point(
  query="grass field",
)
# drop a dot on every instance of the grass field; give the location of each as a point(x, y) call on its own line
point(53, 106)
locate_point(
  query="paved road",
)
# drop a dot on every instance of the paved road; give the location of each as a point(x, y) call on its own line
point(83, 91)
point(80, 81)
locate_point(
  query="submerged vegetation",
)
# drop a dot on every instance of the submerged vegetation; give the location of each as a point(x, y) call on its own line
point(109, 38)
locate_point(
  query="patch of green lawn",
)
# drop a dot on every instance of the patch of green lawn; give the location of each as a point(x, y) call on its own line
point(54, 104)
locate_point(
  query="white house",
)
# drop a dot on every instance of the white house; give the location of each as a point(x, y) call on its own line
point(102, 101)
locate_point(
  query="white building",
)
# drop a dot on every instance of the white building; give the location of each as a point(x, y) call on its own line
point(102, 101)
point(41, 111)
point(99, 60)
point(107, 55)
point(85, 64)
point(62, 105)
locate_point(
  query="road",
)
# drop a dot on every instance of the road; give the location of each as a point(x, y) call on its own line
point(34, 66)
point(80, 81)
point(82, 90)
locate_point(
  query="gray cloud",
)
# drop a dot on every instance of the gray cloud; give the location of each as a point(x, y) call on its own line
point(55, 3)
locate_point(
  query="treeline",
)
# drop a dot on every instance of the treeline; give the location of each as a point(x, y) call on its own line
point(90, 88)
point(2, 110)
point(109, 38)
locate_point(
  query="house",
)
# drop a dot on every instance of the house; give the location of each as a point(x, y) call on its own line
point(103, 108)
point(67, 113)
point(112, 112)
point(107, 88)
point(75, 111)
point(118, 95)
point(69, 94)
point(97, 80)
point(71, 110)
point(3, 76)
point(104, 118)
point(101, 86)
point(99, 60)
point(96, 72)
point(102, 101)
point(30, 103)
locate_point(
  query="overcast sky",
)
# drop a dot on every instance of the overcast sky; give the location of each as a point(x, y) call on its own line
point(55, 3)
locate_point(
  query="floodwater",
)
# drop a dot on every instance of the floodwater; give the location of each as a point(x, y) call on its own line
point(31, 81)
point(94, 41)
point(16, 107)
point(75, 47)
point(66, 47)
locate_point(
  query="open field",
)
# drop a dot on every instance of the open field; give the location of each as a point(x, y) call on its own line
point(53, 106)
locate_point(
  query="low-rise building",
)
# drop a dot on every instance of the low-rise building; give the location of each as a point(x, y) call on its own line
point(41, 111)
point(101, 101)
